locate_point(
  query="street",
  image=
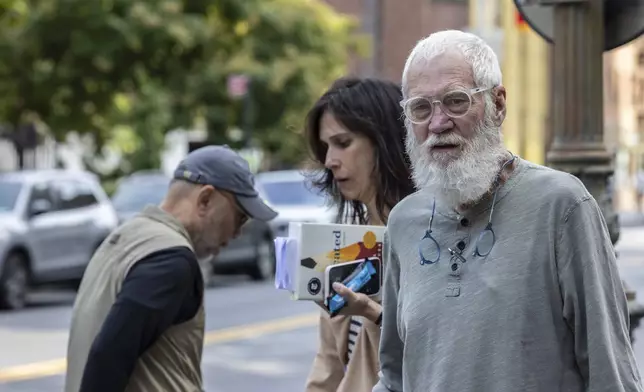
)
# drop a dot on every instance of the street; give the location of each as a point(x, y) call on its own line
point(257, 339)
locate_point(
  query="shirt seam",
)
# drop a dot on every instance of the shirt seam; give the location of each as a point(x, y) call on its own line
point(562, 224)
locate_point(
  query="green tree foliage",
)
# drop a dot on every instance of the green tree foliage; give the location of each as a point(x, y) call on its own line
point(150, 65)
point(68, 58)
point(292, 50)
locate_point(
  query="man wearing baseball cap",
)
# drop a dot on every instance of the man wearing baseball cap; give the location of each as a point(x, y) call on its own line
point(138, 320)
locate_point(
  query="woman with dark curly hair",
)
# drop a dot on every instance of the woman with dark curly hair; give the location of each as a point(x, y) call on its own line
point(356, 134)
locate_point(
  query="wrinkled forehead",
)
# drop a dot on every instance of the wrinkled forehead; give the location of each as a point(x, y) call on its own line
point(439, 75)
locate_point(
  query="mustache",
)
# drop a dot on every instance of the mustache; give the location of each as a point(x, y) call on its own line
point(447, 138)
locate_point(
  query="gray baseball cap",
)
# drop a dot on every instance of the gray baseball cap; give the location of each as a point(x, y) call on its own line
point(224, 169)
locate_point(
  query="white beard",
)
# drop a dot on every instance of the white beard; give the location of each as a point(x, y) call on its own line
point(463, 180)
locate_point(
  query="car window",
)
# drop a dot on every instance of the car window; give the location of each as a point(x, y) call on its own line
point(9, 192)
point(134, 194)
point(42, 191)
point(74, 194)
point(291, 193)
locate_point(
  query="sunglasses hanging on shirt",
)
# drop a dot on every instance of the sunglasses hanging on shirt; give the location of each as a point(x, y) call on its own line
point(429, 250)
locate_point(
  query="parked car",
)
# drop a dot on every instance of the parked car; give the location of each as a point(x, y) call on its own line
point(291, 194)
point(250, 253)
point(137, 190)
point(51, 222)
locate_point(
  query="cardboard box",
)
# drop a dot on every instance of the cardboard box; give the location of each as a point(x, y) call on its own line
point(320, 245)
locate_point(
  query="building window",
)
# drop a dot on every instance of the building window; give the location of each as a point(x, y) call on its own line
point(640, 128)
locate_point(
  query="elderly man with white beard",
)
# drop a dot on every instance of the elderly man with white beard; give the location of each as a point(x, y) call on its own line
point(501, 274)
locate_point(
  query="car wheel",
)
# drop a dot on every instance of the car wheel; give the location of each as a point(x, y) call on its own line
point(264, 267)
point(14, 282)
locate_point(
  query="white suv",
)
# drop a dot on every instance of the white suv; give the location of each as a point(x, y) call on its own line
point(51, 222)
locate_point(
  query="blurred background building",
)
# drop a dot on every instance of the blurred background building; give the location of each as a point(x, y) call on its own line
point(624, 111)
point(395, 26)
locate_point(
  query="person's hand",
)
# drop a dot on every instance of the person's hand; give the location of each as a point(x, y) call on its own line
point(357, 304)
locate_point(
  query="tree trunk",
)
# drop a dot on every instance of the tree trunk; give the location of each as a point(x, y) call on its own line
point(20, 151)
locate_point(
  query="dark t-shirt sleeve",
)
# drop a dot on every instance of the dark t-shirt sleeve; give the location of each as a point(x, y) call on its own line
point(163, 289)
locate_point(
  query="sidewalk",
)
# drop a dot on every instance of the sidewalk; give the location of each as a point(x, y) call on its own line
point(630, 248)
point(630, 260)
point(631, 219)
point(631, 265)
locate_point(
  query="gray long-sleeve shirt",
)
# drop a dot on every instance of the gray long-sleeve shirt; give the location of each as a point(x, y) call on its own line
point(545, 311)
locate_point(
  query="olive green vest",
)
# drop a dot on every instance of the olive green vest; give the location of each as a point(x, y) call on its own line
point(173, 363)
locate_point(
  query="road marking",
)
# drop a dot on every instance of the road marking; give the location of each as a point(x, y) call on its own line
point(258, 329)
point(58, 366)
point(33, 370)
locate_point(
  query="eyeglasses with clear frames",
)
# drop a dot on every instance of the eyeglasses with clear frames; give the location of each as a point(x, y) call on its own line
point(455, 104)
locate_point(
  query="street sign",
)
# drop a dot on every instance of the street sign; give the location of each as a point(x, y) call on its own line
point(623, 19)
point(237, 85)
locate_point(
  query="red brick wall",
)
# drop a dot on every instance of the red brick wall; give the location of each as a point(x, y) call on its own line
point(404, 22)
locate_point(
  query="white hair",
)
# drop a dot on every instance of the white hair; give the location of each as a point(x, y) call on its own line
point(479, 55)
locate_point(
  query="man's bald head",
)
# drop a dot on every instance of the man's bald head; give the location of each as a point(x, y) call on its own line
point(180, 189)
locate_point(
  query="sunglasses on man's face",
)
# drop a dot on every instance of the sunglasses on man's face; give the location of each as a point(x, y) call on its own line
point(241, 217)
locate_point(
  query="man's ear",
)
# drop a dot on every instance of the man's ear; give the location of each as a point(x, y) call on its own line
point(500, 109)
point(205, 198)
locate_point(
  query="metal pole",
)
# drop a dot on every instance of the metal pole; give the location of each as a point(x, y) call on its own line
point(248, 115)
point(578, 144)
point(372, 22)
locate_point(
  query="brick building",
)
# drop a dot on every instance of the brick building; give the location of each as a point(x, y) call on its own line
point(396, 25)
